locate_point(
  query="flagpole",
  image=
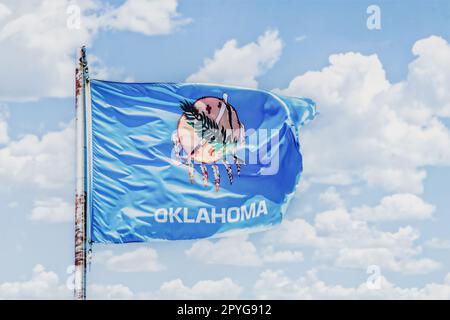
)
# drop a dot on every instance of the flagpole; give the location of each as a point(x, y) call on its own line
point(80, 196)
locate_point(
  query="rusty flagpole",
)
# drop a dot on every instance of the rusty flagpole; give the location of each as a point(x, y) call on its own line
point(81, 78)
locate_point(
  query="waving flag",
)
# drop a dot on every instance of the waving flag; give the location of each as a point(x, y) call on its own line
point(187, 161)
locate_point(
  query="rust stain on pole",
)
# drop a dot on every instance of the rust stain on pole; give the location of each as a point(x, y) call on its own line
point(80, 195)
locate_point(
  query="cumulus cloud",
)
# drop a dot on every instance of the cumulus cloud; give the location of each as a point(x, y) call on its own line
point(4, 138)
point(300, 38)
point(340, 237)
point(174, 289)
point(429, 75)
point(386, 258)
point(139, 260)
point(204, 289)
point(52, 210)
point(45, 284)
point(241, 66)
point(109, 292)
point(4, 11)
point(39, 39)
point(42, 285)
point(283, 256)
point(154, 17)
point(276, 285)
point(396, 207)
point(239, 251)
point(46, 162)
point(331, 198)
point(228, 251)
point(436, 243)
point(373, 131)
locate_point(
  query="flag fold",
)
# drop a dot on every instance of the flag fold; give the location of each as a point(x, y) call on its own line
point(187, 161)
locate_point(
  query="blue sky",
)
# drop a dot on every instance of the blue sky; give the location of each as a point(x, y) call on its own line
point(376, 160)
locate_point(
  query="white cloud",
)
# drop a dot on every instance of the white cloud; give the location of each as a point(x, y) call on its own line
point(241, 66)
point(385, 257)
point(42, 285)
point(396, 207)
point(436, 243)
point(300, 38)
point(335, 221)
point(332, 198)
point(383, 134)
point(52, 210)
point(174, 289)
point(429, 74)
point(3, 132)
point(354, 191)
point(239, 251)
point(38, 46)
point(276, 285)
point(284, 256)
point(339, 237)
point(47, 285)
point(4, 11)
point(139, 260)
point(109, 292)
point(298, 232)
point(205, 289)
point(46, 162)
point(4, 138)
point(228, 251)
point(149, 17)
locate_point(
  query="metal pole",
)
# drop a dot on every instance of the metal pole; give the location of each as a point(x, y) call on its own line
point(80, 196)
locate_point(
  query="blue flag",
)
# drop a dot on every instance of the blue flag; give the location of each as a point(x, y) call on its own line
point(186, 161)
